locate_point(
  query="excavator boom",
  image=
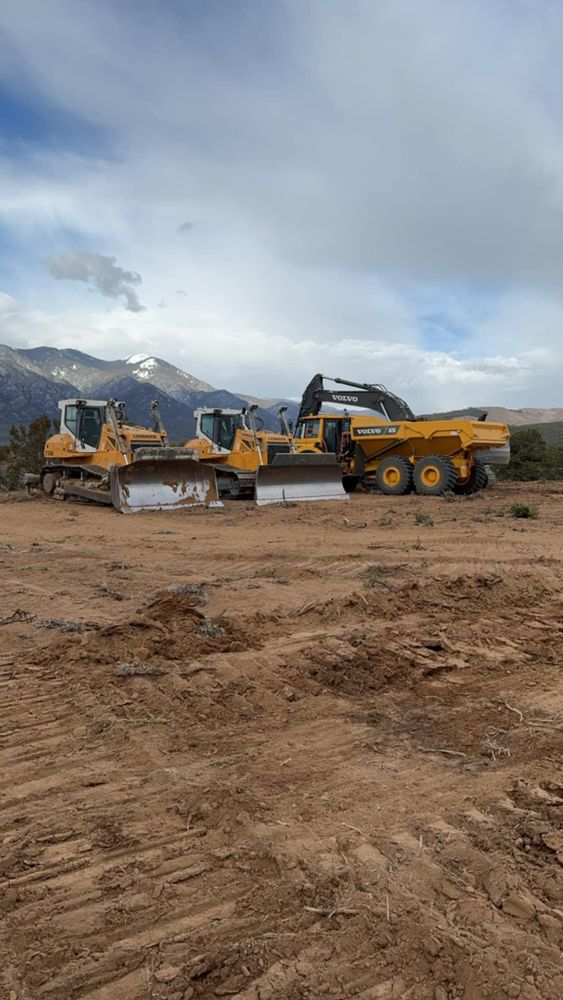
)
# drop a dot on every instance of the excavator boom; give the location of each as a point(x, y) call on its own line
point(363, 394)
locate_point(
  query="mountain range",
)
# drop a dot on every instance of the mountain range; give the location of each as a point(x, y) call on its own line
point(33, 380)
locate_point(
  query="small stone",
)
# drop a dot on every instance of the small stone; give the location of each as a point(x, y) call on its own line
point(440, 993)
point(189, 993)
point(513, 990)
point(519, 906)
point(167, 973)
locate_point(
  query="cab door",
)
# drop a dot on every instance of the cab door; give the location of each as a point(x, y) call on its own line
point(85, 425)
point(332, 435)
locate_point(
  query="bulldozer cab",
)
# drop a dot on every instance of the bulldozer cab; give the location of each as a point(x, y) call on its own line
point(84, 420)
point(220, 428)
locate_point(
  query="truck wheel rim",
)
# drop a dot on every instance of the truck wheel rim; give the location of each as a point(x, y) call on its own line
point(391, 476)
point(430, 475)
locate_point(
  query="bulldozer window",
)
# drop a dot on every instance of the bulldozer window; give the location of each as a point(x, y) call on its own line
point(90, 426)
point(71, 419)
point(84, 423)
point(219, 428)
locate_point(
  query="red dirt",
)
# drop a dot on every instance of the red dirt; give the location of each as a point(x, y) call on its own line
point(282, 753)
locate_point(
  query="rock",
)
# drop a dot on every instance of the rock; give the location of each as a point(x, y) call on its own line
point(519, 906)
point(513, 990)
point(189, 993)
point(440, 993)
point(167, 973)
point(369, 855)
point(552, 926)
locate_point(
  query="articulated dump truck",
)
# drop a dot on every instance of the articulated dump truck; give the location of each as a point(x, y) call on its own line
point(98, 456)
point(394, 450)
point(254, 463)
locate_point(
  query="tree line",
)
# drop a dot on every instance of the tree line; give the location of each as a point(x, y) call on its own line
point(531, 457)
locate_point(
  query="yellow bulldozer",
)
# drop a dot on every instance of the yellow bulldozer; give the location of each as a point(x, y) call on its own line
point(252, 462)
point(395, 451)
point(98, 456)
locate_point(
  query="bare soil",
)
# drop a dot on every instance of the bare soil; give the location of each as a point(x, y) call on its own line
point(282, 753)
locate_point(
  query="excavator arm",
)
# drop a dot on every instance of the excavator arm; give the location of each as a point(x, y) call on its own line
point(369, 397)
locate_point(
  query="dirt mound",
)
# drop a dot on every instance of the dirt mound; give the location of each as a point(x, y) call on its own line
point(170, 628)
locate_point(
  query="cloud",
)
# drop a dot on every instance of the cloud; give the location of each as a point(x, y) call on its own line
point(98, 270)
point(428, 379)
point(377, 187)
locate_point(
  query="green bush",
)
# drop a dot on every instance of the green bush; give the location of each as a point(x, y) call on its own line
point(532, 458)
point(24, 453)
point(523, 510)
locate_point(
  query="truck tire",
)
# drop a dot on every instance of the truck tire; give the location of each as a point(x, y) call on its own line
point(393, 476)
point(434, 475)
point(478, 480)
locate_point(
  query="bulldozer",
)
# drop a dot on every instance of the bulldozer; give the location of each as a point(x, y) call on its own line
point(396, 451)
point(251, 462)
point(98, 456)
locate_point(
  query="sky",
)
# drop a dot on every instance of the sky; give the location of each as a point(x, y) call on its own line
point(257, 191)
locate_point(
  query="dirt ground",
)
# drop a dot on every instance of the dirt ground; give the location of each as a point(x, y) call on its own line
point(282, 753)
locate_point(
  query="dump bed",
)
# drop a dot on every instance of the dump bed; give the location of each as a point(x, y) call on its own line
point(424, 437)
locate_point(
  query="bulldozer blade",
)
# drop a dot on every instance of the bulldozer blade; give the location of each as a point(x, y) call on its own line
point(163, 484)
point(299, 477)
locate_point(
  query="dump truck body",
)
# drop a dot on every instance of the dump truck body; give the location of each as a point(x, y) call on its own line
point(98, 456)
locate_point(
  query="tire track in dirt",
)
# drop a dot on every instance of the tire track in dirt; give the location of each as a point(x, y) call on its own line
point(268, 815)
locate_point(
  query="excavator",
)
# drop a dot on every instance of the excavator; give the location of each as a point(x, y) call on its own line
point(98, 456)
point(396, 451)
point(250, 462)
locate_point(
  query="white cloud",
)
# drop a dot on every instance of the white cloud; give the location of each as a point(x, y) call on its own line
point(427, 379)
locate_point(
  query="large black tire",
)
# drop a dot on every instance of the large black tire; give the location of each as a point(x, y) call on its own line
point(393, 476)
point(477, 480)
point(434, 475)
point(350, 483)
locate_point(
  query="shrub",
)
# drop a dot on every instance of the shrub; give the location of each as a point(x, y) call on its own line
point(523, 510)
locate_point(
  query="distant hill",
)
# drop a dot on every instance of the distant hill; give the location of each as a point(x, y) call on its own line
point(525, 417)
point(552, 432)
point(33, 381)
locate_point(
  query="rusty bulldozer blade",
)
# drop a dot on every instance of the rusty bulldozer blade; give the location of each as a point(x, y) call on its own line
point(154, 483)
point(294, 477)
